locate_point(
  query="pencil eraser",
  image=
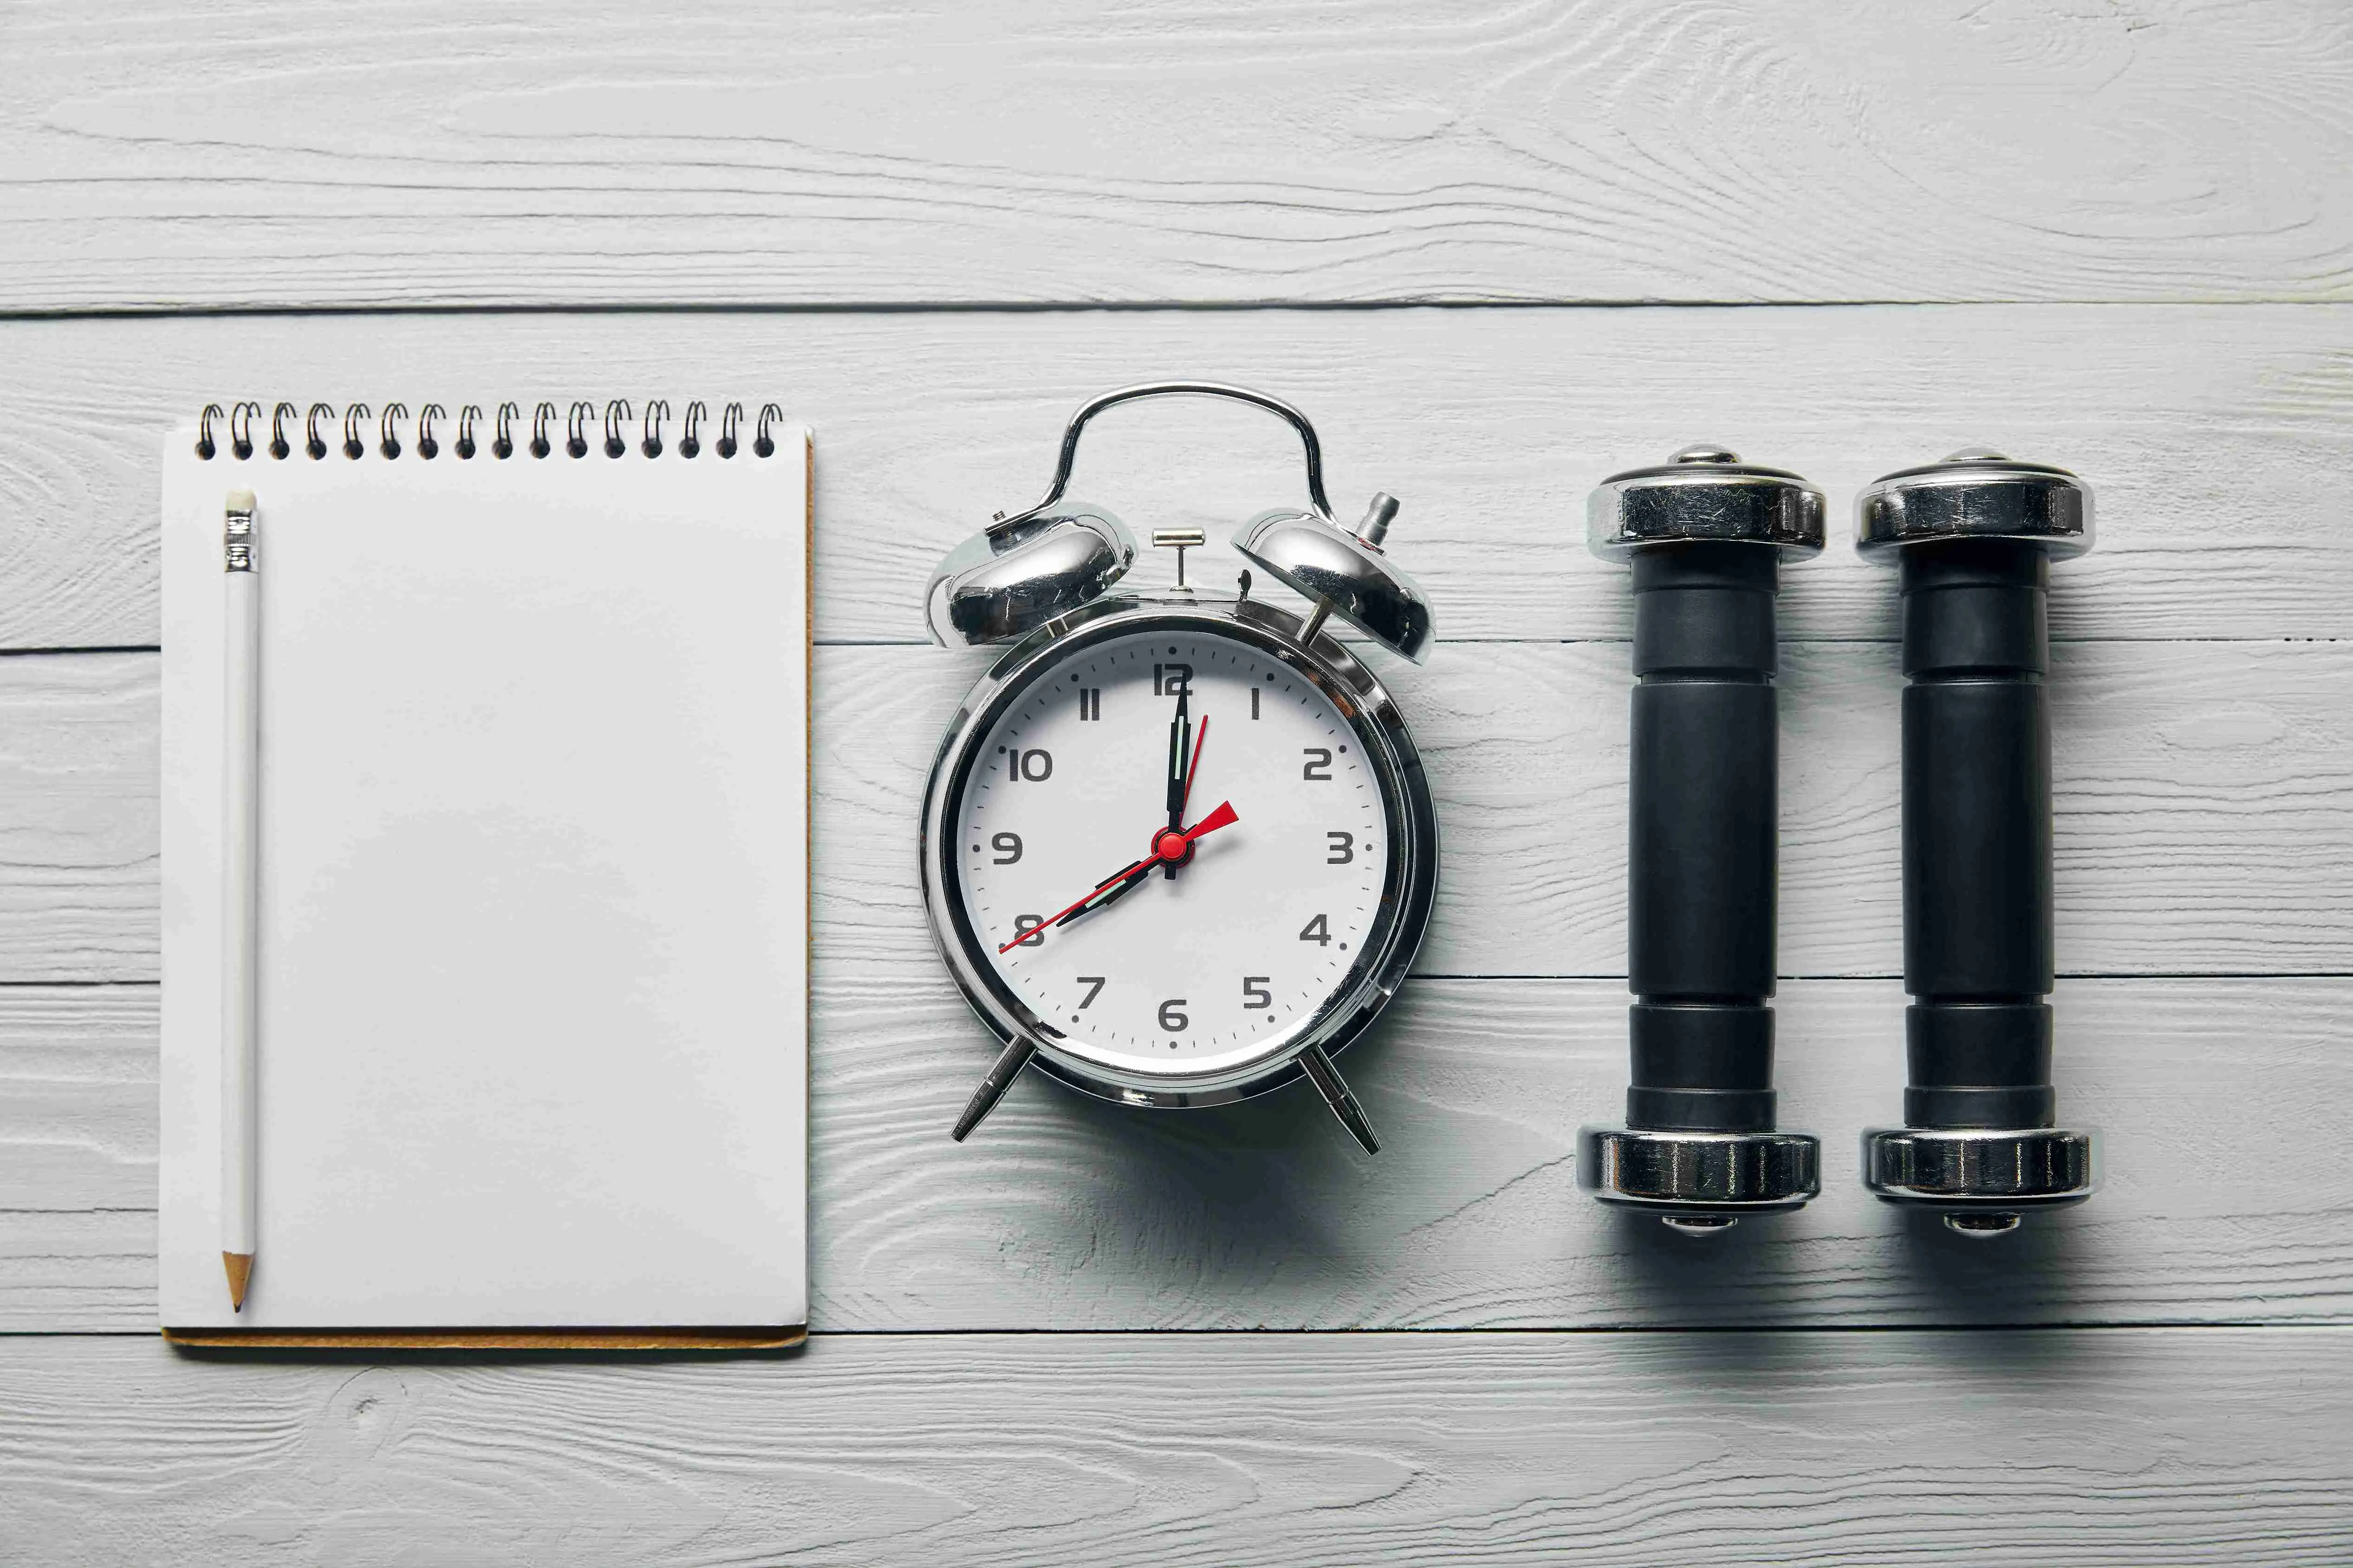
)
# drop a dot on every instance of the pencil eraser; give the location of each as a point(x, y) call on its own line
point(241, 500)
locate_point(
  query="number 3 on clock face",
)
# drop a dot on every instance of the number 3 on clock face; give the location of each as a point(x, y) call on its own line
point(1172, 850)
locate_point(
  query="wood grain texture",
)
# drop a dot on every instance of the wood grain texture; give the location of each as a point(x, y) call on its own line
point(2132, 1448)
point(450, 153)
point(2204, 807)
point(2203, 796)
point(1065, 1214)
point(627, 151)
point(77, 1148)
point(80, 827)
point(1061, 1212)
point(2208, 432)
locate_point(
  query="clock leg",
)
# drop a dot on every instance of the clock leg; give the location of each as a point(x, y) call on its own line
point(1001, 1074)
point(1335, 1093)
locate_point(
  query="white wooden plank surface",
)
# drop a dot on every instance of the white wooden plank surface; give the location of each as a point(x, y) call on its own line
point(2205, 807)
point(451, 152)
point(77, 1143)
point(2136, 1448)
point(2204, 804)
point(443, 152)
point(2210, 434)
point(1065, 1214)
point(79, 830)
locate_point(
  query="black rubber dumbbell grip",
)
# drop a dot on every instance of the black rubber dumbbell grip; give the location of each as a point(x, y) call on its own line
point(1977, 952)
point(1701, 885)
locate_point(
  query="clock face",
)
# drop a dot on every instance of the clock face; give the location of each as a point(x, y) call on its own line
point(1185, 955)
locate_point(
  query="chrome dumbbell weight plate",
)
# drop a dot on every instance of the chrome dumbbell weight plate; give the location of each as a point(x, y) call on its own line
point(1699, 1181)
point(1982, 1179)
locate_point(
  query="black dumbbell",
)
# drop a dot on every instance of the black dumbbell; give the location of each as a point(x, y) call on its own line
point(1973, 538)
point(1705, 535)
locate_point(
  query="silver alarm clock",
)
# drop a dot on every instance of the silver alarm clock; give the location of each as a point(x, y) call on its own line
point(1177, 846)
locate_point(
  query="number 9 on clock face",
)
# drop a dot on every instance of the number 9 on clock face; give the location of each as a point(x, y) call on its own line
point(1176, 852)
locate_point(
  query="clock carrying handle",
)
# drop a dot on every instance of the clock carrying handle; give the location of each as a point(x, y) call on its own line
point(1288, 415)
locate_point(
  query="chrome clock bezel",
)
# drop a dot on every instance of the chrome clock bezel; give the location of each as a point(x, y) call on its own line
point(1409, 889)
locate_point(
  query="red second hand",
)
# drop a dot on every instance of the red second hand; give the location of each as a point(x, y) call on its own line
point(1224, 816)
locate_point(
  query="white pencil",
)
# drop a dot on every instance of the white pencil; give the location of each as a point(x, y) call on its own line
point(240, 758)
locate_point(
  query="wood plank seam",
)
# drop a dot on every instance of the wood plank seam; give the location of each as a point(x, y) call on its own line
point(2235, 409)
point(1074, 1213)
point(2203, 827)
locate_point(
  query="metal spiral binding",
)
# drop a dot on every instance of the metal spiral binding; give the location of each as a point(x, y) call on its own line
point(240, 428)
point(239, 417)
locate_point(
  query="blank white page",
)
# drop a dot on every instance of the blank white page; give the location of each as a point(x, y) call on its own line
point(533, 927)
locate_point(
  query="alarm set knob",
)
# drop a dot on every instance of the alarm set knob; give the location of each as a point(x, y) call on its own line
point(1344, 573)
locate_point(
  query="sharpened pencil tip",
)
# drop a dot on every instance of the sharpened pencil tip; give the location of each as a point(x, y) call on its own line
point(240, 1269)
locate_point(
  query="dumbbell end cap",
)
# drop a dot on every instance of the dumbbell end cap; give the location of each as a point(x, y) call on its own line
point(1976, 493)
point(1703, 494)
point(1982, 1179)
point(1698, 1182)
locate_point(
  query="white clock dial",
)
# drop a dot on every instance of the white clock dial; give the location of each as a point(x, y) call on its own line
point(1200, 966)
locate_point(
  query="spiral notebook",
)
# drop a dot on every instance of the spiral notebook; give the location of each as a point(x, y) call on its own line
point(531, 935)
